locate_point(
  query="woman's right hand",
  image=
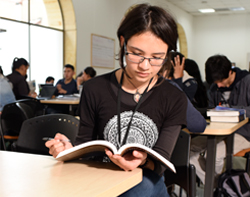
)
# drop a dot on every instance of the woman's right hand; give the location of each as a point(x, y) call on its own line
point(58, 144)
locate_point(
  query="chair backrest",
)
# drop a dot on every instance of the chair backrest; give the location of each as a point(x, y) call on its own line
point(180, 155)
point(12, 117)
point(35, 105)
point(35, 129)
point(185, 175)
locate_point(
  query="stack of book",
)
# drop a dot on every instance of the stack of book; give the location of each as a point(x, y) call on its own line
point(226, 114)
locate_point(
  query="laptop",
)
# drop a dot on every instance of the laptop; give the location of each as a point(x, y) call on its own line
point(46, 91)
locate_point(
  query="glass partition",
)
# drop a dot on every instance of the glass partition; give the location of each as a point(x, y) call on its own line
point(14, 42)
point(38, 40)
point(14, 9)
point(42, 12)
point(46, 54)
point(46, 13)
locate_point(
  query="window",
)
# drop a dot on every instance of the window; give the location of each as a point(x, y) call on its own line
point(14, 9)
point(27, 31)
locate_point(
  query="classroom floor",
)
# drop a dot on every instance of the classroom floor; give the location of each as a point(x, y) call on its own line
point(238, 163)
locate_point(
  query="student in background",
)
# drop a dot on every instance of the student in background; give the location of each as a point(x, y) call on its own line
point(18, 79)
point(88, 73)
point(230, 87)
point(6, 94)
point(50, 80)
point(200, 100)
point(67, 85)
point(197, 126)
point(135, 93)
point(178, 74)
point(1, 73)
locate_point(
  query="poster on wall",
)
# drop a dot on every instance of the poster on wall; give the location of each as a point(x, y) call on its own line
point(102, 51)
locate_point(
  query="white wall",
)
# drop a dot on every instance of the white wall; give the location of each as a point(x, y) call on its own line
point(103, 17)
point(95, 16)
point(206, 35)
point(222, 34)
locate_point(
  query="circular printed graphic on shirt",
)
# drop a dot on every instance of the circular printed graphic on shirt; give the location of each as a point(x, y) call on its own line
point(142, 130)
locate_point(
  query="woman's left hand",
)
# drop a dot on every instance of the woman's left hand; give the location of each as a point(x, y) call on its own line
point(178, 66)
point(129, 161)
point(33, 94)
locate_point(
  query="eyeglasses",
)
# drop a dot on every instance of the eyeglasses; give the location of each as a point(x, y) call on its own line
point(135, 58)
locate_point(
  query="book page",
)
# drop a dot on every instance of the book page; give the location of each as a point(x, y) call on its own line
point(100, 145)
point(85, 148)
point(128, 147)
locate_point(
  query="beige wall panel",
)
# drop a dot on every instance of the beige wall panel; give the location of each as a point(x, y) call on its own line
point(53, 13)
point(70, 38)
point(182, 41)
point(70, 47)
point(68, 14)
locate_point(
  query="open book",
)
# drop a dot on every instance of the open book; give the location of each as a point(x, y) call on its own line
point(100, 145)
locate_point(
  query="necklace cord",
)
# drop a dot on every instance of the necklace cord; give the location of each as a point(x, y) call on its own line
point(119, 110)
point(133, 85)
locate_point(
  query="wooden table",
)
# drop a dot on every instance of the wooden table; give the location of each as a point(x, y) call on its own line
point(71, 101)
point(36, 175)
point(212, 131)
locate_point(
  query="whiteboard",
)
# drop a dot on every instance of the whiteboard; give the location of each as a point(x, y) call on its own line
point(102, 51)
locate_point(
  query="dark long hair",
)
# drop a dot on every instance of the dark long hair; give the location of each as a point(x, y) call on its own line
point(145, 17)
point(201, 99)
point(18, 62)
point(90, 71)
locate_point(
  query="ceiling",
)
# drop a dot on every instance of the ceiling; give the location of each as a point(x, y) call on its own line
point(221, 6)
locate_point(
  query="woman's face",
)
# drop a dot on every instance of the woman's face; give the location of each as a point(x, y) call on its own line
point(85, 76)
point(149, 46)
point(23, 69)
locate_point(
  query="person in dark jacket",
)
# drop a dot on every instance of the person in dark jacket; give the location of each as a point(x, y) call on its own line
point(18, 79)
point(200, 98)
point(230, 87)
point(67, 85)
point(197, 126)
point(179, 75)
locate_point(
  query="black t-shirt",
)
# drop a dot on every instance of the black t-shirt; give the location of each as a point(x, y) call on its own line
point(20, 85)
point(156, 123)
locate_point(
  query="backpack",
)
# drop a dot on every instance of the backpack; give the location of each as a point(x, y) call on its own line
point(233, 183)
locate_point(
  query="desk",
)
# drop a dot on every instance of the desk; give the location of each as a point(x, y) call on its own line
point(63, 101)
point(36, 175)
point(213, 130)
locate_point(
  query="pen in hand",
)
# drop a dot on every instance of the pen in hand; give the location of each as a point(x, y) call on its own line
point(49, 138)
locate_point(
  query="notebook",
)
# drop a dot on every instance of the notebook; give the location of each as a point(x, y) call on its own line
point(46, 91)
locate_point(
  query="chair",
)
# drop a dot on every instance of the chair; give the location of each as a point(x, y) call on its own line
point(35, 105)
point(33, 131)
point(11, 119)
point(246, 154)
point(185, 175)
